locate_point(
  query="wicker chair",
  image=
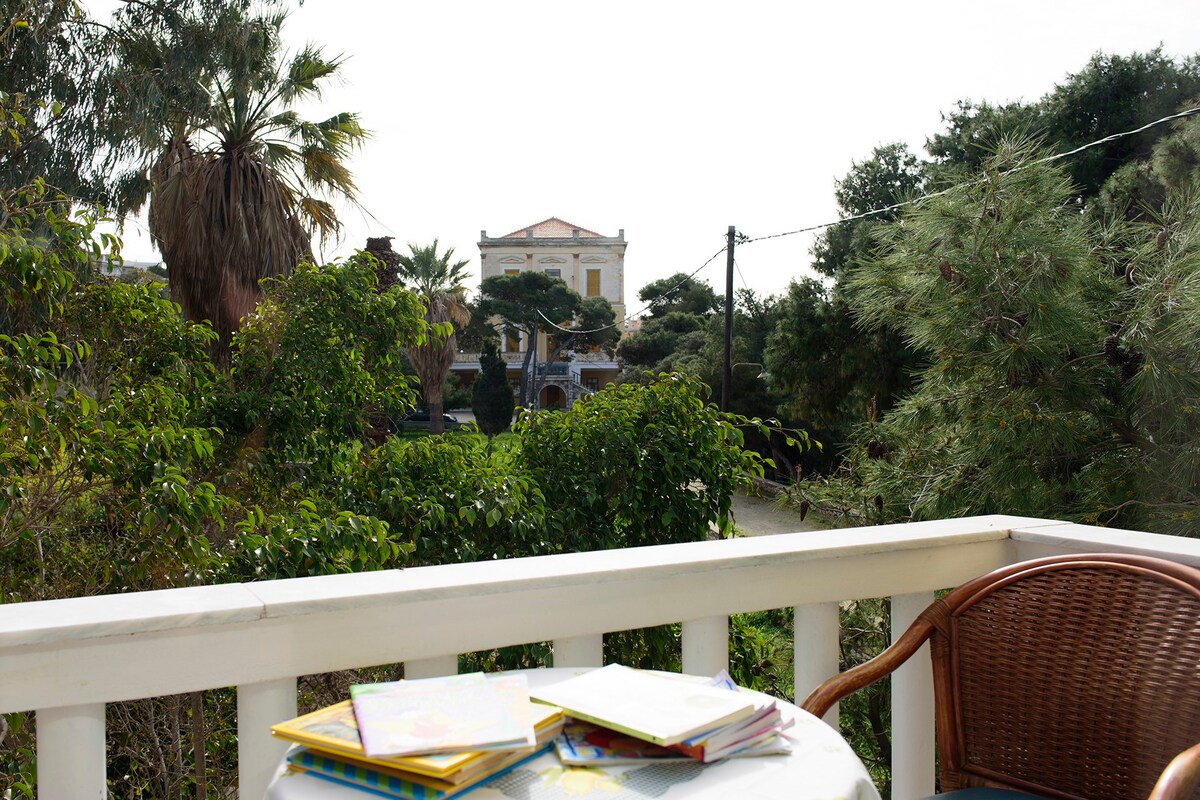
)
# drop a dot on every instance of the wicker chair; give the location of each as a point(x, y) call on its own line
point(1073, 677)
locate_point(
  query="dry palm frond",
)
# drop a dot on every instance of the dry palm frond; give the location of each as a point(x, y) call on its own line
point(246, 207)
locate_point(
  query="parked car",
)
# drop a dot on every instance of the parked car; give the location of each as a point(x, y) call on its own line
point(419, 420)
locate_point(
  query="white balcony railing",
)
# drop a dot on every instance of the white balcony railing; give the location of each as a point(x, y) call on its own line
point(65, 659)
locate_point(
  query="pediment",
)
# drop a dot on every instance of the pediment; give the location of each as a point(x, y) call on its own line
point(512, 260)
point(552, 260)
point(593, 260)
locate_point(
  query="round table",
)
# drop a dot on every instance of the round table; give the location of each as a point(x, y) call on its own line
point(821, 766)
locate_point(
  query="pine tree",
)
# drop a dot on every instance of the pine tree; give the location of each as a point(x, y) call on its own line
point(492, 399)
point(1064, 372)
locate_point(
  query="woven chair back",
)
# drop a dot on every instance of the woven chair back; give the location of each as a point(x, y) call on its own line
point(1072, 677)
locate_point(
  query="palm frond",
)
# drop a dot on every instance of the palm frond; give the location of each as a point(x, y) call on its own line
point(431, 273)
point(239, 206)
point(305, 73)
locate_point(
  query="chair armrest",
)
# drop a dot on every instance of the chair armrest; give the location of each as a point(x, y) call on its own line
point(867, 673)
point(1181, 777)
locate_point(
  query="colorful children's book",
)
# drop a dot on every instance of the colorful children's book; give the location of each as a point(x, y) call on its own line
point(334, 730)
point(329, 768)
point(757, 733)
point(758, 739)
point(456, 713)
point(584, 744)
point(646, 705)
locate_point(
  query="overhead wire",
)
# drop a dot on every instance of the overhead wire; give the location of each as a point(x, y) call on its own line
point(1191, 112)
point(645, 308)
point(743, 239)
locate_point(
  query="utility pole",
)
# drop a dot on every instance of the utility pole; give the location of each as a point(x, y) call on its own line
point(732, 236)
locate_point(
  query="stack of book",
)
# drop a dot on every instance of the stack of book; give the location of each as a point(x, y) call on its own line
point(622, 715)
point(423, 739)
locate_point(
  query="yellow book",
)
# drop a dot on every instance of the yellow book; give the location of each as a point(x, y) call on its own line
point(334, 729)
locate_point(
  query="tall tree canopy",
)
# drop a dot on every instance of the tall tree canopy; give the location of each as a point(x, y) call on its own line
point(1111, 94)
point(52, 103)
point(679, 293)
point(831, 370)
point(525, 302)
point(835, 371)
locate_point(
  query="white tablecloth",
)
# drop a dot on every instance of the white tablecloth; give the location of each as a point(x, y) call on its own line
point(821, 766)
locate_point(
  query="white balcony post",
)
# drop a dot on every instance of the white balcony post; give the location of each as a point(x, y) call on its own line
point(817, 645)
point(431, 667)
point(579, 651)
point(259, 706)
point(912, 708)
point(71, 753)
point(706, 645)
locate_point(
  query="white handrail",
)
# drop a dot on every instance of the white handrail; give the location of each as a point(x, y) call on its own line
point(67, 658)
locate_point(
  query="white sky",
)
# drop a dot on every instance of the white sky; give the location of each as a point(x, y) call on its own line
point(673, 120)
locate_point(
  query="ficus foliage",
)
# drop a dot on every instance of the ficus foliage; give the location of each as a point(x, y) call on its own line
point(131, 462)
point(618, 437)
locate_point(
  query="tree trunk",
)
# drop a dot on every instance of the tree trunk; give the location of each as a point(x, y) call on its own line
point(437, 425)
point(198, 746)
point(528, 370)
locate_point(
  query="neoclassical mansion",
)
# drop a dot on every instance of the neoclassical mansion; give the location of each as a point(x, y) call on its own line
point(590, 263)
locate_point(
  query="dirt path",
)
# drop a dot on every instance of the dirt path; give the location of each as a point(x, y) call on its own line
point(757, 516)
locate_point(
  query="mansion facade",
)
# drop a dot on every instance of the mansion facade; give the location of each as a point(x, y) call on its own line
point(590, 263)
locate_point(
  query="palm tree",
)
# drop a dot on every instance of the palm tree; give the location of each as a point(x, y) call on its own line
point(441, 284)
point(238, 182)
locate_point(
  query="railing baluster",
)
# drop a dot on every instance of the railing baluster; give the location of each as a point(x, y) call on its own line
point(71, 753)
point(259, 706)
point(912, 708)
point(579, 651)
point(816, 644)
point(431, 667)
point(706, 645)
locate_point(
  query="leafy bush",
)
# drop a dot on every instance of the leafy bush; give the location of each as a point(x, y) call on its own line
point(649, 464)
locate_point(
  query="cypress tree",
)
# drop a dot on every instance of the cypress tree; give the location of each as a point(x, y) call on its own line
point(492, 397)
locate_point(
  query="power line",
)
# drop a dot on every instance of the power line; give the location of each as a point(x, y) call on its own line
point(648, 306)
point(742, 239)
point(741, 277)
point(1191, 112)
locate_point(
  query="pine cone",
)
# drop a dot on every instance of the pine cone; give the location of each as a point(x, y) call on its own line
point(879, 502)
point(1113, 352)
point(1131, 366)
point(804, 507)
point(949, 274)
point(876, 450)
point(1161, 241)
point(1129, 275)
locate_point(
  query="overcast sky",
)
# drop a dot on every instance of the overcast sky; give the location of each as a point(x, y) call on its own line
point(673, 120)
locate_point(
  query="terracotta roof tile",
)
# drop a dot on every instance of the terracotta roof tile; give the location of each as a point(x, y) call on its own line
point(552, 228)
